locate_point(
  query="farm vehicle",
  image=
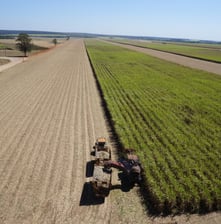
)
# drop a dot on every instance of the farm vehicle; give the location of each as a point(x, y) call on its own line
point(128, 164)
point(101, 182)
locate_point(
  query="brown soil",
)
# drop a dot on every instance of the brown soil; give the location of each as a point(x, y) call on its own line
point(4, 61)
point(12, 61)
point(46, 42)
point(50, 116)
point(182, 60)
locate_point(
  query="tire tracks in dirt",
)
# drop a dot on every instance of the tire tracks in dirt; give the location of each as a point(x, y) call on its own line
point(48, 109)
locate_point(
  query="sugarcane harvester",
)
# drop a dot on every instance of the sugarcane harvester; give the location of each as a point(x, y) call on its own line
point(129, 165)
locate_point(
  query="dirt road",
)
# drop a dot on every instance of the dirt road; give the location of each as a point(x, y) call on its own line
point(50, 115)
point(182, 60)
point(12, 61)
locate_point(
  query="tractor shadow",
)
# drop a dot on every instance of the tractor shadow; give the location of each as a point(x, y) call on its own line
point(125, 183)
point(89, 168)
point(88, 197)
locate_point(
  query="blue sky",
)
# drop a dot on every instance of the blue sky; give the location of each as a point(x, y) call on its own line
point(194, 19)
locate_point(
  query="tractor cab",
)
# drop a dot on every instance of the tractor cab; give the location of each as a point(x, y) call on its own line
point(102, 150)
point(100, 143)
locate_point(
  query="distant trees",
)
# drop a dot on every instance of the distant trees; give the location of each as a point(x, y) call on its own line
point(55, 41)
point(23, 43)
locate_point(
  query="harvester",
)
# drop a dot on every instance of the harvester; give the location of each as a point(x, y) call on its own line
point(129, 165)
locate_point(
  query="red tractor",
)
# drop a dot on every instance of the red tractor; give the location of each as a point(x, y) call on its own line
point(129, 165)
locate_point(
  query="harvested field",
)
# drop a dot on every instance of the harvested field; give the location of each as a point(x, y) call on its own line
point(50, 116)
point(9, 49)
point(39, 44)
point(3, 61)
point(11, 61)
point(43, 42)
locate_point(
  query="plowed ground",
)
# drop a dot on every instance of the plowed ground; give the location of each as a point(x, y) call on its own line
point(50, 116)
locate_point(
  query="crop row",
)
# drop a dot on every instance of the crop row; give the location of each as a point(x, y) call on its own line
point(171, 115)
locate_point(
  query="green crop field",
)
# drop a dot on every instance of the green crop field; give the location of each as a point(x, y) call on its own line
point(171, 115)
point(208, 52)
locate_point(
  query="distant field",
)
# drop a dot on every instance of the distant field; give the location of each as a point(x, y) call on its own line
point(38, 45)
point(35, 35)
point(210, 52)
point(172, 116)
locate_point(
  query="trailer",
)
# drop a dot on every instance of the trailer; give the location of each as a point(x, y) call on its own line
point(101, 180)
point(102, 150)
